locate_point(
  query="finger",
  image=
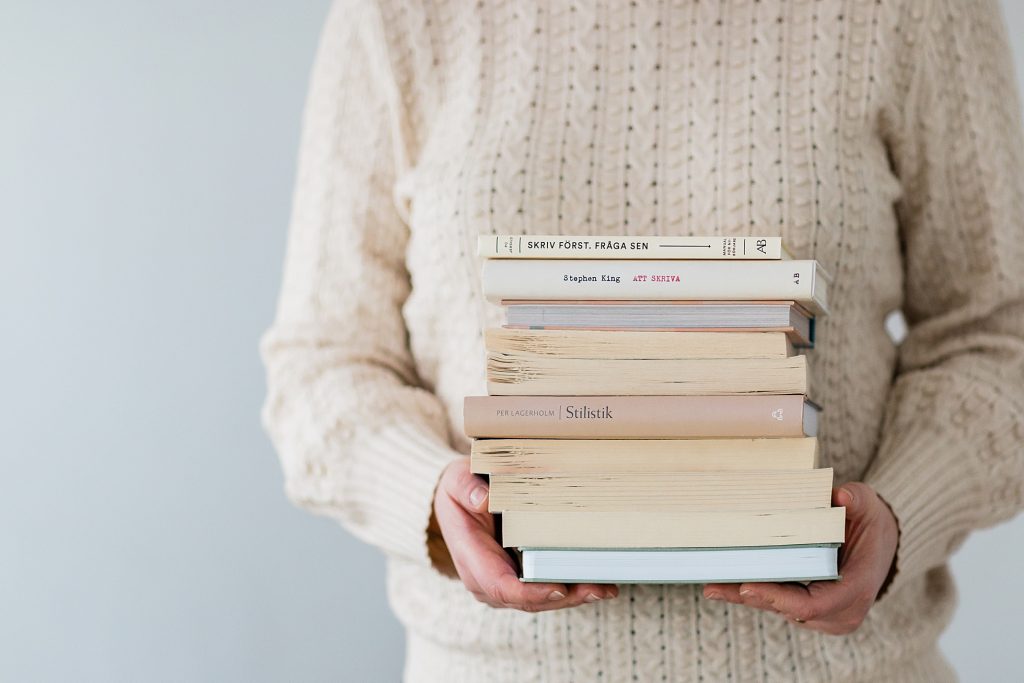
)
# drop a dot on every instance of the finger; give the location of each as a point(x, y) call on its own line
point(468, 489)
point(726, 592)
point(819, 600)
point(592, 592)
point(859, 499)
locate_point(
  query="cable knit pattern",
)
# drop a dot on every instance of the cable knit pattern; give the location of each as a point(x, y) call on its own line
point(881, 137)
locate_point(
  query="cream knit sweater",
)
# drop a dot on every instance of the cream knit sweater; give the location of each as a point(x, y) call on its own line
point(880, 137)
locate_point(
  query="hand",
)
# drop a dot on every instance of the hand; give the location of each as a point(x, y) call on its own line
point(460, 510)
point(833, 607)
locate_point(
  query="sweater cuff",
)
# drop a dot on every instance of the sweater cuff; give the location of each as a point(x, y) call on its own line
point(931, 470)
point(391, 493)
point(931, 502)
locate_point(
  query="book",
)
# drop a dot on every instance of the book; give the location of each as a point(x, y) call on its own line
point(636, 247)
point(681, 565)
point(650, 529)
point(639, 417)
point(637, 345)
point(505, 456)
point(800, 281)
point(735, 317)
point(524, 375)
point(664, 491)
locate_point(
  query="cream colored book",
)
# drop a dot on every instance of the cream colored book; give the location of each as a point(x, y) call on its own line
point(804, 282)
point(710, 247)
point(637, 345)
point(663, 491)
point(523, 375)
point(539, 456)
point(672, 529)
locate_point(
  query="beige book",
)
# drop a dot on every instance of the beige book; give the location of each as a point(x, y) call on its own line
point(672, 529)
point(664, 491)
point(639, 417)
point(522, 375)
point(637, 345)
point(538, 456)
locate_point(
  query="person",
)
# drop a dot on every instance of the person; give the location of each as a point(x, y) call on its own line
point(880, 137)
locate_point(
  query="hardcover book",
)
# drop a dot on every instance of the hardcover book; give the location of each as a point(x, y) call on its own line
point(800, 281)
point(681, 565)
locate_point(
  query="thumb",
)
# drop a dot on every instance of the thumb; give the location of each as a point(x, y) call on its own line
point(854, 496)
point(467, 489)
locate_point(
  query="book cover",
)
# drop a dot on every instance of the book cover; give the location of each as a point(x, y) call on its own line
point(640, 417)
point(800, 281)
point(660, 247)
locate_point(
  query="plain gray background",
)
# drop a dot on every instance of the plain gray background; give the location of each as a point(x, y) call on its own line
point(146, 159)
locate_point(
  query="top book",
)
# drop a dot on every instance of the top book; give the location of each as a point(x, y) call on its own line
point(706, 248)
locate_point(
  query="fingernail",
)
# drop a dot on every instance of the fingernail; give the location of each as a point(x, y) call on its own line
point(713, 596)
point(478, 495)
point(747, 593)
point(849, 494)
point(592, 597)
point(556, 595)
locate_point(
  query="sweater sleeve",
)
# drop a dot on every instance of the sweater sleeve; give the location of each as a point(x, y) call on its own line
point(359, 439)
point(951, 457)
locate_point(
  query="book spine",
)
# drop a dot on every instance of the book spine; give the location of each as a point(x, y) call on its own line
point(588, 280)
point(661, 247)
point(640, 417)
point(584, 529)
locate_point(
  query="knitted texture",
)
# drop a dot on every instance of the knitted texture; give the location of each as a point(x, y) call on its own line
point(880, 137)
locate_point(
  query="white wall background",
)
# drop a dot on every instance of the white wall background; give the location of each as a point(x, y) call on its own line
point(146, 159)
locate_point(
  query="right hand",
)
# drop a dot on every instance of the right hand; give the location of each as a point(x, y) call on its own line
point(460, 509)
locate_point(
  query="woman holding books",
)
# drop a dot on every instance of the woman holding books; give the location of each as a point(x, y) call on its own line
point(879, 137)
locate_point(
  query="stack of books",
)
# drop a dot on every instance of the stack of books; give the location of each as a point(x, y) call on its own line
point(647, 417)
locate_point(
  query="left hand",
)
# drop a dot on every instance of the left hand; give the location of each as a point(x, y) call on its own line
point(833, 607)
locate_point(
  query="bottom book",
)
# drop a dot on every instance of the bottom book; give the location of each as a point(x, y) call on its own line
point(682, 565)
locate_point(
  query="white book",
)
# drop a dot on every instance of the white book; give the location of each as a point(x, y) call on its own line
point(507, 280)
point(732, 565)
point(704, 247)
